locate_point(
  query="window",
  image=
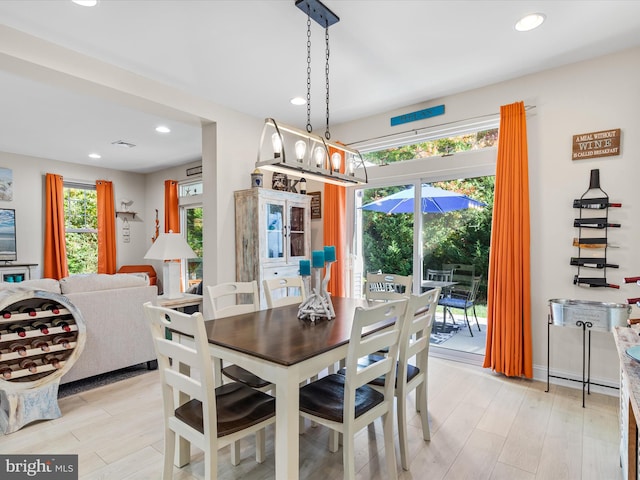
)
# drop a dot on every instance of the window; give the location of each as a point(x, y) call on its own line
point(191, 227)
point(81, 227)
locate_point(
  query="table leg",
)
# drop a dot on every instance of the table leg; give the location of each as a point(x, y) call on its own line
point(287, 444)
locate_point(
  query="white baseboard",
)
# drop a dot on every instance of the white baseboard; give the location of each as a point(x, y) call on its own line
point(539, 372)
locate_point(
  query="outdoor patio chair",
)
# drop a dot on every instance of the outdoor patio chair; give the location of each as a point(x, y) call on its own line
point(463, 301)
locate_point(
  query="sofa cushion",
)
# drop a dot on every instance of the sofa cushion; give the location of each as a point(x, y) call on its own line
point(92, 282)
point(47, 284)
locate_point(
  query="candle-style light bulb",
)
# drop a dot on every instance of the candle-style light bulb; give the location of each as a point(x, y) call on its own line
point(277, 145)
point(350, 166)
point(301, 149)
point(303, 186)
point(336, 160)
point(319, 155)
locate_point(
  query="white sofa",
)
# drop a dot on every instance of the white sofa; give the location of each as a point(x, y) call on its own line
point(111, 305)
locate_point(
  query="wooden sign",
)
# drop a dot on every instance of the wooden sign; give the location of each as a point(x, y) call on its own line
point(316, 205)
point(596, 144)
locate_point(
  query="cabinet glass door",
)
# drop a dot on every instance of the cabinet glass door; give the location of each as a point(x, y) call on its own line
point(275, 233)
point(297, 231)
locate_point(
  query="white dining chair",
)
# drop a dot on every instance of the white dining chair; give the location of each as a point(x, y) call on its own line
point(411, 375)
point(193, 408)
point(236, 298)
point(346, 403)
point(284, 291)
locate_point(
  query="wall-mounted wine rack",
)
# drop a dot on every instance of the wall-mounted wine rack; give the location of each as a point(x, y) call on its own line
point(594, 207)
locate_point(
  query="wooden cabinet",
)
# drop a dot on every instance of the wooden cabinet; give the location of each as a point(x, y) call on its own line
point(273, 232)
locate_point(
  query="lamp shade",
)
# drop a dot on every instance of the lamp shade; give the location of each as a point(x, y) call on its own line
point(170, 246)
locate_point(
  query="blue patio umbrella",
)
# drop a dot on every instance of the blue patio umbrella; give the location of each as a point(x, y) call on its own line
point(434, 200)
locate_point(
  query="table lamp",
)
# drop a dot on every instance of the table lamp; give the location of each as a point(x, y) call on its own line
point(171, 248)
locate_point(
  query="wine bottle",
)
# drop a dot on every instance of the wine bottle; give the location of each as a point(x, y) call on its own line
point(596, 222)
point(593, 282)
point(40, 325)
point(61, 322)
point(5, 371)
point(592, 243)
point(19, 329)
point(592, 263)
point(53, 360)
point(19, 348)
point(51, 307)
point(29, 364)
point(28, 310)
point(5, 314)
point(41, 344)
point(63, 340)
point(594, 203)
point(631, 279)
point(633, 301)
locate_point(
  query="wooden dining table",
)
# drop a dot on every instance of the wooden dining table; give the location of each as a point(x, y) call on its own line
point(277, 346)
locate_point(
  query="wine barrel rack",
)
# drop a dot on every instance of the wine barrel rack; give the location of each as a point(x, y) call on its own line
point(41, 336)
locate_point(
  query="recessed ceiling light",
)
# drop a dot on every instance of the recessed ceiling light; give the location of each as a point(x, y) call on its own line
point(163, 129)
point(86, 3)
point(529, 22)
point(95, 156)
point(298, 101)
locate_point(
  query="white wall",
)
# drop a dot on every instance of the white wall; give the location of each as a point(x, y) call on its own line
point(28, 201)
point(589, 96)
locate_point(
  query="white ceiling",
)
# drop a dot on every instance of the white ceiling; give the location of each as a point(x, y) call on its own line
point(250, 55)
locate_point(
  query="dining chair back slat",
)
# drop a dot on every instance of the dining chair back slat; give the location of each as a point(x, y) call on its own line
point(387, 286)
point(233, 298)
point(444, 275)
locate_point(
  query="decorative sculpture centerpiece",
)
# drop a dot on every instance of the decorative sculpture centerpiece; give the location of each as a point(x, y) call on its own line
point(318, 303)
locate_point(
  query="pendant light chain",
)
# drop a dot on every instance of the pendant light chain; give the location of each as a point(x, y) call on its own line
point(309, 129)
point(327, 134)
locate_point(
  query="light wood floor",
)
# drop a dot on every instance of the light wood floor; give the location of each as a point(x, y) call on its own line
point(483, 426)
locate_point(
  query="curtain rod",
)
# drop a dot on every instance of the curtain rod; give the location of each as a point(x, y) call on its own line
point(416, 130)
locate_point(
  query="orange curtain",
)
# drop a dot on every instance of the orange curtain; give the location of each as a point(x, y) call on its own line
point(106, 227)
point(508, 347)
point(171, 210)
point(55, 250)
point(334, 231)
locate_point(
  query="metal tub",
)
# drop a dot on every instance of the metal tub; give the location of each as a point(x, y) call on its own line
point(602, 316)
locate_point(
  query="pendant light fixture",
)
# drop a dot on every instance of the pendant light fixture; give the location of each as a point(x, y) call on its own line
point(311, 156)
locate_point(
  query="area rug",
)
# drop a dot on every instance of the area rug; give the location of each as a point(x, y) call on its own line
point(440, 333)
point(80, 386)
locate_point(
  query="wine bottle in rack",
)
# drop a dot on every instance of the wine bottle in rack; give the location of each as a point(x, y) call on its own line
point(53, 360)
point(594, 203)
point(19, 348)
point(40, 343)
point(64, 340)
point(5, 314)
point(6, 371)
point(19, 329)
point(28, 310)
point(596, 222)
point(631, 279)
point(593, 282)
point(40, 325)
point(592, 243)
point(29, 364)
point(61, 322)
point(592, 262)
point(52, 307)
